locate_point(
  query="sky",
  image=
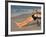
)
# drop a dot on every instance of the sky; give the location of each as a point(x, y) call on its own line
point(19, 10)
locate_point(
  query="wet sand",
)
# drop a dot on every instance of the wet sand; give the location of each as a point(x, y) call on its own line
point(33, 26)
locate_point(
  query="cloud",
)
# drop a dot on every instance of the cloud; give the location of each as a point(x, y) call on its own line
point(19, 10)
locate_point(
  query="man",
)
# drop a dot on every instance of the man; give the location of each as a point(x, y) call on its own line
point(29, 19)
